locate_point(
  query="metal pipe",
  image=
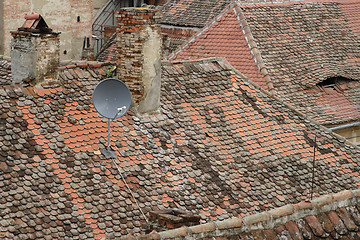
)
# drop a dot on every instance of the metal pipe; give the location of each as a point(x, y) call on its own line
point(355, 124)
point(313, 170)
point(108, 147)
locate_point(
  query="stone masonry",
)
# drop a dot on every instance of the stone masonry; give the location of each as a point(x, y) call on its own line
point(139, 47)
point(35, 55)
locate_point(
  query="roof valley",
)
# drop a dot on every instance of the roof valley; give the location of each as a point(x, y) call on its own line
point(183, 46)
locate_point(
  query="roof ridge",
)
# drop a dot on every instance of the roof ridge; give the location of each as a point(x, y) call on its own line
point(261, 3)
point(265, 220)
point(198, 34)
point(85, 65)
point(200, 60)
point(253, 47)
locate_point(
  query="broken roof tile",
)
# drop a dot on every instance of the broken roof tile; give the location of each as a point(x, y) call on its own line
point(309, 224)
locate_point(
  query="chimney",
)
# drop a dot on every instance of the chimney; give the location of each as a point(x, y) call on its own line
point(139, 64)
point(35, 52)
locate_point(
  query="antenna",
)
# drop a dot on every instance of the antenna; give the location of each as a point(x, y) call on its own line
point(313, 170)
point(112, 99)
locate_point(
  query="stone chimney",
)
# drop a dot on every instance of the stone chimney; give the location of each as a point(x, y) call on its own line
point(35, 52)
point(139, 64)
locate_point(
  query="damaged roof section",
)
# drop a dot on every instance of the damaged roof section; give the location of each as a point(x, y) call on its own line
point(333, 216)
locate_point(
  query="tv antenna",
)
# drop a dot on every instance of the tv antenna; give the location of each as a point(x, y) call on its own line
point(112, 99)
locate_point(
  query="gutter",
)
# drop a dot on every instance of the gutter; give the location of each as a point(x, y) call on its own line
point(355, 124)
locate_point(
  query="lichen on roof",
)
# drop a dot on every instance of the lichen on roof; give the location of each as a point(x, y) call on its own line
point(220, 147)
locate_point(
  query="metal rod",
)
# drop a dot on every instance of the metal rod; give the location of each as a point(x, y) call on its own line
point(355, 124)
point(313, 170)
point(108, 147)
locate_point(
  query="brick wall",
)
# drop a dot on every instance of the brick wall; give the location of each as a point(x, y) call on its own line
point(139, 47)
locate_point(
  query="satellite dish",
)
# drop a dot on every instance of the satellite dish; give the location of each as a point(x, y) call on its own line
point(112, 99)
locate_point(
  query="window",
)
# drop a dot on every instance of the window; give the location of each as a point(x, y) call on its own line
point(333, 82)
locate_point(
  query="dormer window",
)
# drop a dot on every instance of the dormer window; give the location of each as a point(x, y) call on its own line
point(334, 82)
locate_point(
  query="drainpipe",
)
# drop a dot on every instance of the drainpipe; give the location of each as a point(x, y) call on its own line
point(355, 124)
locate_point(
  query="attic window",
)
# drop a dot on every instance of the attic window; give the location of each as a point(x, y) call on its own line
point(333, 82)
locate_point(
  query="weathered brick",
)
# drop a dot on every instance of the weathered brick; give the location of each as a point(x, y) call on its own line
point(138, 39)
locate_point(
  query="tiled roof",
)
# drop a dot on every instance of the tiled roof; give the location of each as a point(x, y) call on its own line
point(351, 11)
point(5, 72)
point(219, 147)
point(334, 216)
point(109, 52)
point(296, 46)
point(304, 44)
point(222, 38)
point(191, 13)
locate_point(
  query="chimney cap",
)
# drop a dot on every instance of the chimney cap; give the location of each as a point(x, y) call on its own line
point(35, 23)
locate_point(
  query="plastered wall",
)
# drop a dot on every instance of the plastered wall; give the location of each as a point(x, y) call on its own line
point(73, 18)
point(352, 134)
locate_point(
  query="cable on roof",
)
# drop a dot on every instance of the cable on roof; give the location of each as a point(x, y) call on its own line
point(131, 192)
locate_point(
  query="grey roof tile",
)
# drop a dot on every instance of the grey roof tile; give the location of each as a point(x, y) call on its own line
point(210, 150)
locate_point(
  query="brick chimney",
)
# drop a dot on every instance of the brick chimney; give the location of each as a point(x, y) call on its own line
point(139, 64)
point(35, 52)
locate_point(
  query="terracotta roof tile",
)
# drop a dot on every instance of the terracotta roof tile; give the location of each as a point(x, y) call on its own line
point(304, 35)
point(311, 224)
point(192, 13)
point(351, 10)
point(220, 147)
point(296, 47)
point(223, 38)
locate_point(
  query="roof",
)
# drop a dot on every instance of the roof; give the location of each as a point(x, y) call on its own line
point(222, 38)
point(219, 147)
point(192, 13)
point(109, 52)
point(35, 23)
point(5, 72)
point(296, 46)
point(331, 216)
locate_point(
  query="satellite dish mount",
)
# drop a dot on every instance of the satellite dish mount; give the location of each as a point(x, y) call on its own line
point(112, 99)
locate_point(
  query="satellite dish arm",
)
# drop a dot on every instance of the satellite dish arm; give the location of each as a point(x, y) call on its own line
point(121, 111)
